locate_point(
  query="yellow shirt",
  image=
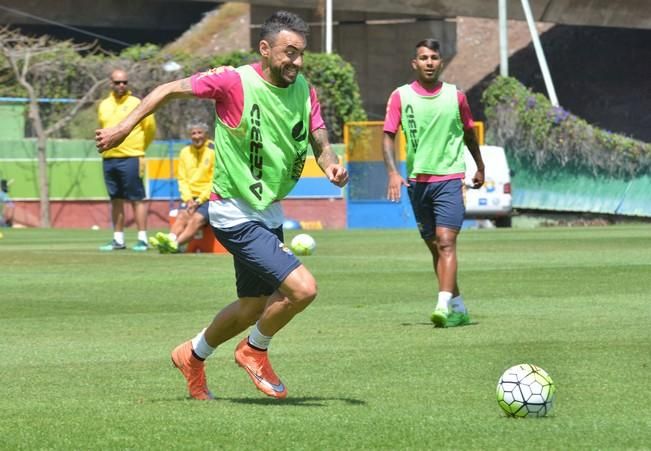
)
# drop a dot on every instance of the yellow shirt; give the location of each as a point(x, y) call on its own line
point(111, 111)
point(195, 171)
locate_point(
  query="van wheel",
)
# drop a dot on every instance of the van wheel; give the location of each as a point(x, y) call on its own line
point(504, 221)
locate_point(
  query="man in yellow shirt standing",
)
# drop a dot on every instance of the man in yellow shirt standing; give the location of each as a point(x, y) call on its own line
point(195, 172)
point(124, 165)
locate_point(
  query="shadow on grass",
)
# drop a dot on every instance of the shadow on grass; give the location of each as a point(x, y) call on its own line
point(429, 324)
point(304, 401)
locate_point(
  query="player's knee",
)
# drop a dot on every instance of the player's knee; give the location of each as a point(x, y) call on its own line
point(201, 221)
point(299, 288)
point(445, 245)
point(305, 293)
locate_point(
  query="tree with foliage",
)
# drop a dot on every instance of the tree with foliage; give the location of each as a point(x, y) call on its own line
point(36, 67)
point(40, 65)
point(332, 77)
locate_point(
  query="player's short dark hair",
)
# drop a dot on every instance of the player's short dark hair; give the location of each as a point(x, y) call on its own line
point(283, 20)
point(430, 43)
point(4, 185)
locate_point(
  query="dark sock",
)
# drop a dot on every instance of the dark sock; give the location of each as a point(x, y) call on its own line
point(254, 347)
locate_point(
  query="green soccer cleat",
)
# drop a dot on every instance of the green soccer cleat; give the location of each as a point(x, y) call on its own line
point(153, 242)
point(165, 244)
point(112, 246)
point(439, 318)
point(458, 319)
point(140, 246)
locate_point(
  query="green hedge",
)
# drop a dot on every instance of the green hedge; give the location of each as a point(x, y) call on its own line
point(547, 136)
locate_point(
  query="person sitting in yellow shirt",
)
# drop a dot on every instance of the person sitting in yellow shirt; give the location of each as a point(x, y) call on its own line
point(7, 207)
point(195, 171)
point(124, 164)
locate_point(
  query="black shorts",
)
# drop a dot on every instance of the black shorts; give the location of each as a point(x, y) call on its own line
point(261, 259)
point(437, 204)
point(202, 209)
point(122, 178)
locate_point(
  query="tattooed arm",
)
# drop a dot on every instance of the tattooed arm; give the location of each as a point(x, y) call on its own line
point(327, 160)
point(107, 138)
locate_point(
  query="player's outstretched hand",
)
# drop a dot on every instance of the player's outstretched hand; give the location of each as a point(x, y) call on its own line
point(108, 138)
point(337, 174)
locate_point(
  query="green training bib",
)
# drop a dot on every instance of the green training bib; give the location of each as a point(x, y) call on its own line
point(434, 131)
point(262, 158)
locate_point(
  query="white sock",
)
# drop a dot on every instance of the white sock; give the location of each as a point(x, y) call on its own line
point(142, 235)
point(118, 237)
point(257, 339)
point(172, 236)
point(444, 300)
point(457, 305)
point(201, 347)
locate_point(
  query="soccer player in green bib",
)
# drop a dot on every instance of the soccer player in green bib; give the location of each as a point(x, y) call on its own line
point(437, 123)
point(267, 113)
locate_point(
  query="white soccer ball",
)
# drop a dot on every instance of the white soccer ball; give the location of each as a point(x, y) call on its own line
point(303, 244)
point(526, 390)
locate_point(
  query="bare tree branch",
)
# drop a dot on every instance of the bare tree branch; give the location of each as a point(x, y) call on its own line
point(86, 99)
point(36, 63)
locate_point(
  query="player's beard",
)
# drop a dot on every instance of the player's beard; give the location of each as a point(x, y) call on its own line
point(286, 75)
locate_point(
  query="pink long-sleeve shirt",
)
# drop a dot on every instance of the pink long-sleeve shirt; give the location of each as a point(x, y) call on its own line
point(224, 86)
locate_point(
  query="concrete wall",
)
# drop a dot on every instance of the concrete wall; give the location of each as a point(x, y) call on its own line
point(163, 13)
point(121, 21)
point(605, 13)
point(379, 52)
point(117, 14)
point(327, 213)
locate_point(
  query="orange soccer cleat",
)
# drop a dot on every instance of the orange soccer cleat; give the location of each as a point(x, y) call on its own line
point(256, 363)
point(193, 371)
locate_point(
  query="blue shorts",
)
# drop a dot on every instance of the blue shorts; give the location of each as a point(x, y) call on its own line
point(122, 178)
point(202, 210)
point(261, 259)
point(437, 204)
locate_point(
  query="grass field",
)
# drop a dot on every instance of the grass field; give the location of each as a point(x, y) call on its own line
point(86, 340)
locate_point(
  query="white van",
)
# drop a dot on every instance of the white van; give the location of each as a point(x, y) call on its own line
point(493, 200)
